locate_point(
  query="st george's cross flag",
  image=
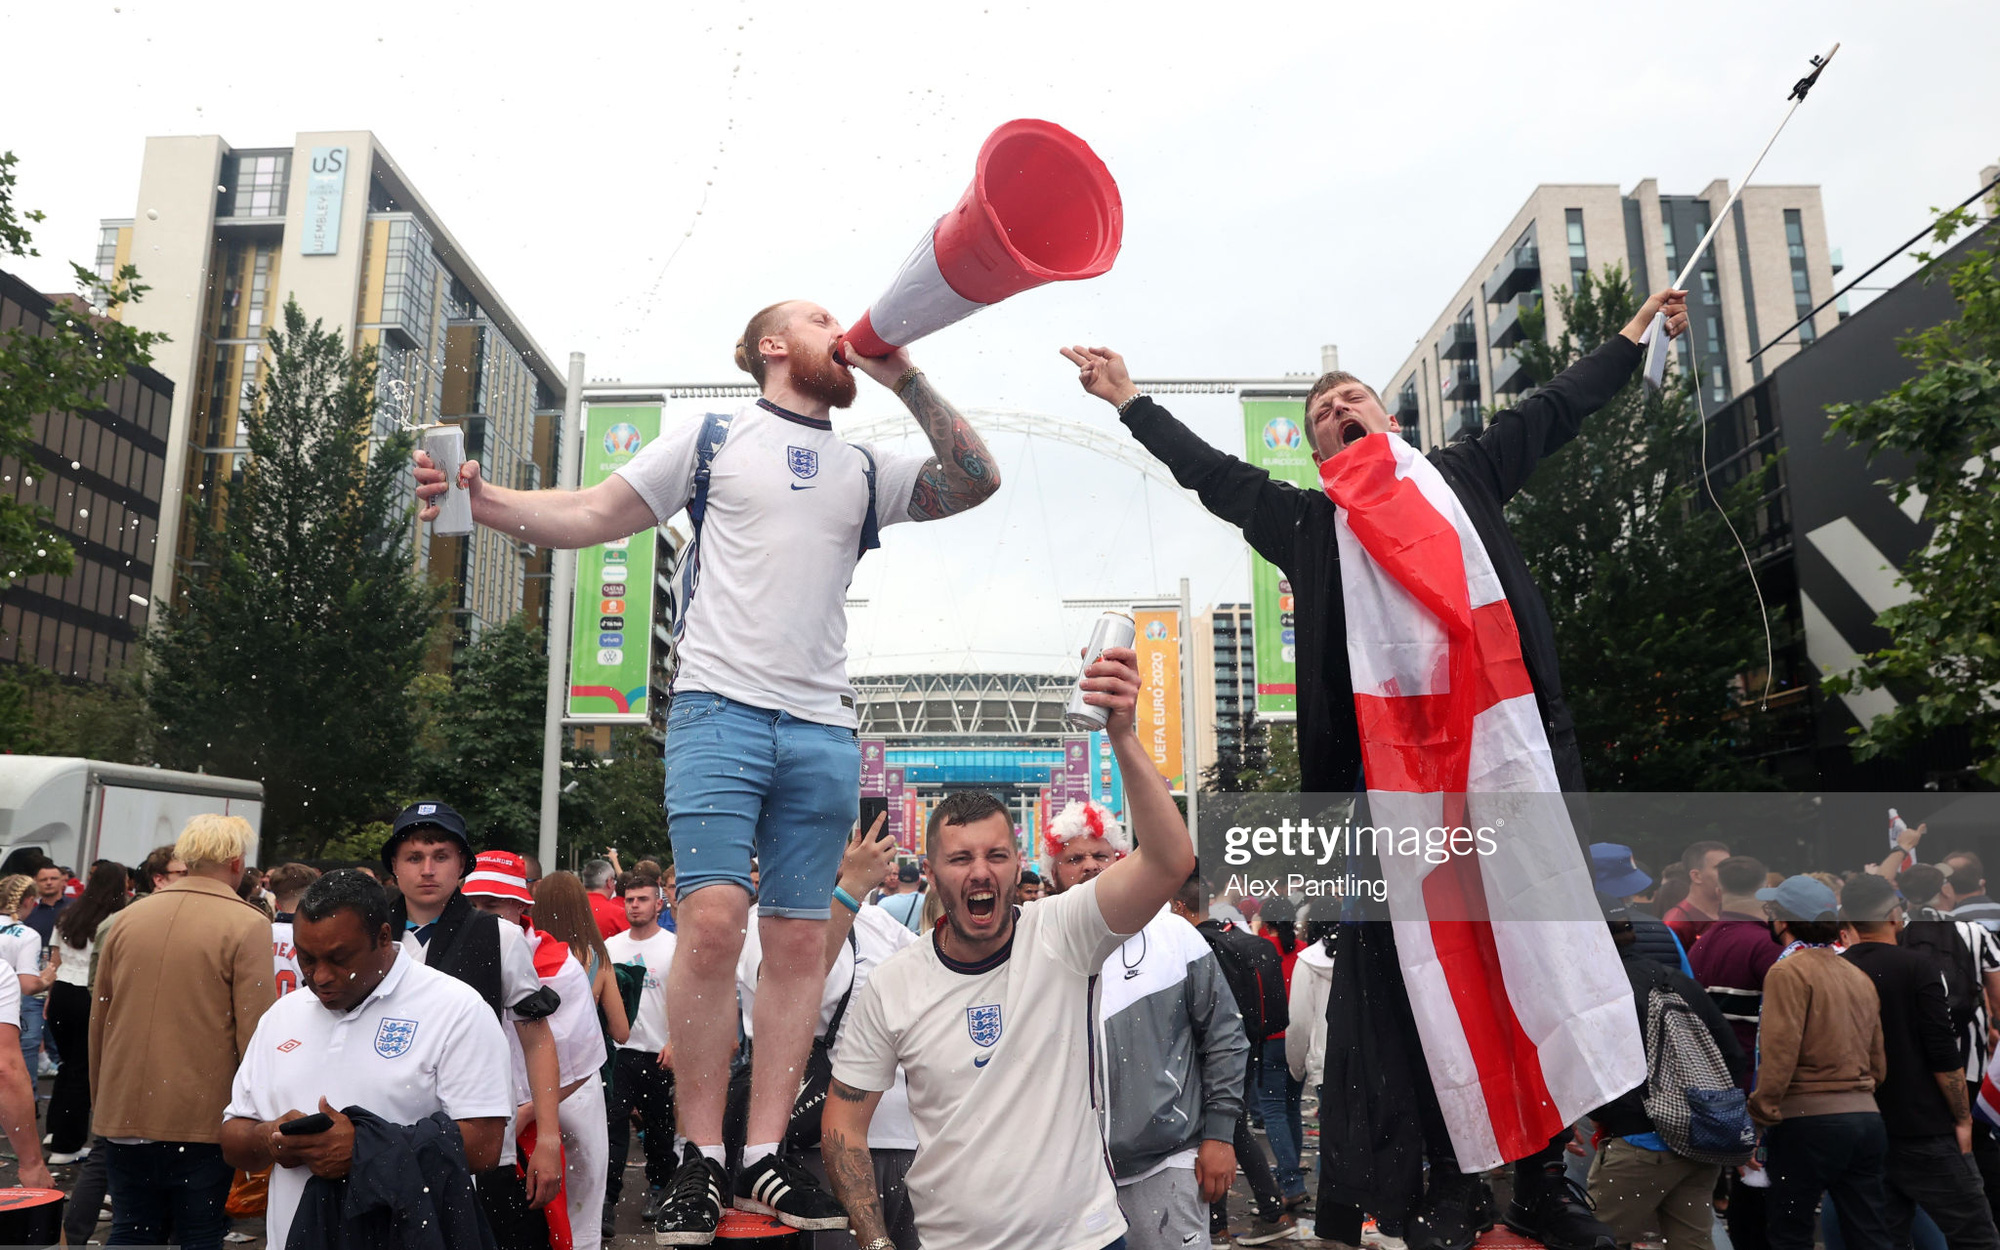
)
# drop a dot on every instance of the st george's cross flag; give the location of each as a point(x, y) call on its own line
point(1526, 1017)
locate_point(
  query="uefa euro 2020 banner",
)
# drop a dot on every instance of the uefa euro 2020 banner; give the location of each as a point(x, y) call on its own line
point(611, 649)
point(1274, 439)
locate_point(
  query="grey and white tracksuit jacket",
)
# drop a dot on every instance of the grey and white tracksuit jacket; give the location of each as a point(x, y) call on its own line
point(1174, 1046)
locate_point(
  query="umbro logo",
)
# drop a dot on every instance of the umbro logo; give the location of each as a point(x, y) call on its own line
point(288, 1046)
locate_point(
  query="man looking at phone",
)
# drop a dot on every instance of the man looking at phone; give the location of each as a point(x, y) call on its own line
point(378, 1030)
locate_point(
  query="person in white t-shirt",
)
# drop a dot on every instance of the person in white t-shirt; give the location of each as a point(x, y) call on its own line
point(377, 1030)
point(761, 753)
point(498, 884)
point(17, 1089)
point(991, 1018)
point(288, 885)
point(642, 1072)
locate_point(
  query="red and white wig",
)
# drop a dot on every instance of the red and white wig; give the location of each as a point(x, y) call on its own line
point(1078, 822)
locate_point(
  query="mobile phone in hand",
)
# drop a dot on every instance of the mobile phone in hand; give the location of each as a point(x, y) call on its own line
point(872, 805)
point(306, 1125)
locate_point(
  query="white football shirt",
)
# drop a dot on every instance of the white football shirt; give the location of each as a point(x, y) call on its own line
point(1002, 1064)
point(655, 955)
point(284, 957)
point(877, 935)
point(786, 501)
point(578, 1039)
point(422, 1042)
point(21, 947)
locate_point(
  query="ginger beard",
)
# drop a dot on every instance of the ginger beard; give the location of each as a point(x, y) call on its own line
point(817, 375)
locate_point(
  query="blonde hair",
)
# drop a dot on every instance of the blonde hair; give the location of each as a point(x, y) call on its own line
point(933, 908)
point(13, 888)
point(209, 839)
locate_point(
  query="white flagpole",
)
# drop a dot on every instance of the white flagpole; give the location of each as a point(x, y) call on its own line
point(1655, 337)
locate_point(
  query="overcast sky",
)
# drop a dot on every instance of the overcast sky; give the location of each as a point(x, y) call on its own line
point(1292, 175)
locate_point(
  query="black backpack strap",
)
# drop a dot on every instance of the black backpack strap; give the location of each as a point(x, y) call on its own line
point(714, 432)
point(840, 1012)
point(871, 530)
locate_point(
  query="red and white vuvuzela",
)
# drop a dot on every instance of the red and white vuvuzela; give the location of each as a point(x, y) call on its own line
point(1041, 208)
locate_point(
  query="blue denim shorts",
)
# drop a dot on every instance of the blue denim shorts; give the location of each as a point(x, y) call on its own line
point(743, 780)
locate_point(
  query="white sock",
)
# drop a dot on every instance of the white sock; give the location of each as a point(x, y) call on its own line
point(753, 1155)
point(714, 1154)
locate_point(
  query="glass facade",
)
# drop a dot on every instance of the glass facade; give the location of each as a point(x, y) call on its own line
point(243, 274)
point(254, 184)
point(1802, 301)
point(1683, 221)
point(100, 472)
point(1579, 260)
point(1235, 656)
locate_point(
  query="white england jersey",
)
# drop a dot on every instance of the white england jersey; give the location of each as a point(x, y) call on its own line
point(656, 956)
point(1002, 1063)
point(422, 1042)
point(284, 956)
point(787, 496)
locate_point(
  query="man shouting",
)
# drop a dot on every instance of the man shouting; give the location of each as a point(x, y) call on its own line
point(761, 753)
point(1340, 551)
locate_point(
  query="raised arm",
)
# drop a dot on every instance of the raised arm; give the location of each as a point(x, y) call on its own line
point(1267, 511)
point(960, 473)
point(1132, 891)
point(868, 856)
point(547, 518)
point(850, 1168)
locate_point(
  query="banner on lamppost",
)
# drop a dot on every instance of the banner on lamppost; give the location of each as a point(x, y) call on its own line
point(1076, 768)
point(892, 789)
point(1107, 784)
point(611, 625)
point(1158, 644)
point(872, 760)
point(1274, 440)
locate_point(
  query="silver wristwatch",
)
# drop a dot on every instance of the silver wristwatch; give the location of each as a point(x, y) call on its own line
point(880, 1243)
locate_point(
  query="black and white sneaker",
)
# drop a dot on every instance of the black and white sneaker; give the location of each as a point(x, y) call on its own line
point(778, 1187)
point(693, 1205)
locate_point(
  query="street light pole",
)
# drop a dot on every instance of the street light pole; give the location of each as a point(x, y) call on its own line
point(569, 452)
point(1190, 739)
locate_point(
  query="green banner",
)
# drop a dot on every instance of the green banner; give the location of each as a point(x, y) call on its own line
point(610, 651)
point(1274, 439)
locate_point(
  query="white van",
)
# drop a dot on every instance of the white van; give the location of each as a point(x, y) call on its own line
point(78, 811)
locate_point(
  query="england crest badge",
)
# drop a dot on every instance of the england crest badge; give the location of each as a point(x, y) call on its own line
point(393, 1037)
point(983, 1022)
point(804, 461)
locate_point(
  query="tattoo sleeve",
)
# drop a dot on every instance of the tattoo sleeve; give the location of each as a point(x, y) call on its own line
point(1956, 1096)
point(850, 1169)
point(961, 472)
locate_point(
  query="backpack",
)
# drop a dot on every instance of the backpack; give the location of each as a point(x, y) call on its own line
point(1945, 945)
point(1695, 1105)
point(714, 433)
point(1256, 977)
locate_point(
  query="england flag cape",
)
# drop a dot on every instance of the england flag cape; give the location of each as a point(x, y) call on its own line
point(1526, 1017)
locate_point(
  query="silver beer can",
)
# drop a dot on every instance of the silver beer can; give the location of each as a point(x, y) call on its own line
point(1113, 629)
point(446, 446)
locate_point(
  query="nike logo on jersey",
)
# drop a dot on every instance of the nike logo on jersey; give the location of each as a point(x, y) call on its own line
point(982, 1060)
point(796, 486)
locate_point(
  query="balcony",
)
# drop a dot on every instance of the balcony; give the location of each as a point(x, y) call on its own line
point(1506, 328)
point(1509, 378)
point(1519, 270)
point(1457, 342)
point(1406, 405)
point(1462, 424)
point(1461, 385)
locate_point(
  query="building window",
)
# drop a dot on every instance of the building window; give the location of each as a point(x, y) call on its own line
point(107, 266)
point(254, 185)
point(1795, 244)
point(1579, 261)
point(1667, 236)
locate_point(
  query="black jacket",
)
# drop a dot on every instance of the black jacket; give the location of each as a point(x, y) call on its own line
point(1917, 1037)
point(1655, 940)
point(1625, 1115)
point(407, 1188)
point(465, 945)
point(1293, 529)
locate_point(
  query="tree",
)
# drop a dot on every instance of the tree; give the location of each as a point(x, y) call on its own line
point(618, 800)
point(1241, 764)
point(290, 654)
point(41, 714)
point(486, 757)
point(1655, 620)
point(1281, 771)
point(63, 371)
point(1943, 655)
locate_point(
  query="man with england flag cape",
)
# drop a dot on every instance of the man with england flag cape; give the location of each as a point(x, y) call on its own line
point(1492, 1011)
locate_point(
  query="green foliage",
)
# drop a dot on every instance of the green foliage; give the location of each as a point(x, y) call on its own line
point(363, 842)
point(41, 714)
point(1943, 657)
point(619, 800)
point(62, 371)
point(1241, 765)
point(486, 755)
point(1655, 618)
point(290, 657)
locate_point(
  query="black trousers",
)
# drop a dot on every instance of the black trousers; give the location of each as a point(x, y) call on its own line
point(638, 1080)
point(1256, 1167)
point(1986, 1155)
point(1843, 1156)
point(1748, 1216)
point(503, 1196)
point(1929, 1172)
point(68, 1021)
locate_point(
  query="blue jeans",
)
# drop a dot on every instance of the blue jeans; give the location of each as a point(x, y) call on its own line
point(743, 780)
point(31, 1037)
point(152, 1182)
point(1278, 1098)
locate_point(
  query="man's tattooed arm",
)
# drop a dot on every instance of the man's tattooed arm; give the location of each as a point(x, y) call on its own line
point(961, 473)
point(850, 1169)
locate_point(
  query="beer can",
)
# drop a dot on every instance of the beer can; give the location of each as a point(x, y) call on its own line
point(1113, 629)
point(445, 444)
